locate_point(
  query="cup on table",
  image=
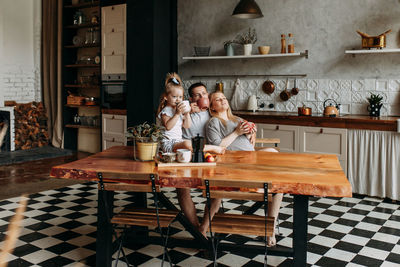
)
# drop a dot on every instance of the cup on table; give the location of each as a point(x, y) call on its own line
point(186, 105)
point(203, 103)
point(184, 155)
point(168, 157)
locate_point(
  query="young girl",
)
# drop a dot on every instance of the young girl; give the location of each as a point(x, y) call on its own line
point(173, 115)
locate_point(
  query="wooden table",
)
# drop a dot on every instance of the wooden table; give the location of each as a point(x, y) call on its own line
point(301, 175)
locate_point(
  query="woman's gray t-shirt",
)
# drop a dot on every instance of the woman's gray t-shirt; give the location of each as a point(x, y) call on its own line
point(216, 131)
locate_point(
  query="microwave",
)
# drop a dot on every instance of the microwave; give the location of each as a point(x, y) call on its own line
point(113, 95)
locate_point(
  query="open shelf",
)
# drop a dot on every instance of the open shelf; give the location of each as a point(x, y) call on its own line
point(298, 54)
point(84, 5)
point(373, 51)
point(82, 46)
point(81, 106)
point(76, 126)
point(83, 66)
point(82, 86)
point(85, 25)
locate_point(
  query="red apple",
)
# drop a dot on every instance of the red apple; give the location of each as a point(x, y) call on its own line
point(210, 158)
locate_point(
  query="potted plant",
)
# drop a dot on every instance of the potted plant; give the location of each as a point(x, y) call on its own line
point(146, 138)
point(247, 40)
point(228, 46)
point(375, 104)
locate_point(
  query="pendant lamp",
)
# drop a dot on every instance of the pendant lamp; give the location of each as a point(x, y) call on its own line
point(247, 9)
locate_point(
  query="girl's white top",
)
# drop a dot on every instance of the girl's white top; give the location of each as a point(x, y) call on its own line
point(176, 131)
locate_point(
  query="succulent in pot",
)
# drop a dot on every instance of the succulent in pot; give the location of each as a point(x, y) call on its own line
point(146, 137)
point(375, 105)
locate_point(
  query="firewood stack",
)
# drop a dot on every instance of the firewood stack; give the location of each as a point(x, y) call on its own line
point(30, 125)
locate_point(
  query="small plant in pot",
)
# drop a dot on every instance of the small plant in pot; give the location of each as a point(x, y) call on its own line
point(375, 104)
point(228, 46)
point(247, 40)
point(146, 138)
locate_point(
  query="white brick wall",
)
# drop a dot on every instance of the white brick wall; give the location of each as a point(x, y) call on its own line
point(21, 83)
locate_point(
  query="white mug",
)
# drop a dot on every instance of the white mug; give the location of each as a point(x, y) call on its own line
point(187, 106)
point(184, 155)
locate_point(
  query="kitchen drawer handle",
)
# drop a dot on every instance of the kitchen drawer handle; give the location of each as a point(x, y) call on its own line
point(321, 130)
point(277, 127)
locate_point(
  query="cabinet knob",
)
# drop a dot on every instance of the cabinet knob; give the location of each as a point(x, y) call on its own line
point(277, 127)
point(113, 117)
point(321, 130)
point(112, 30)
point(112, 8)
point(112, 53)
point(113, 139)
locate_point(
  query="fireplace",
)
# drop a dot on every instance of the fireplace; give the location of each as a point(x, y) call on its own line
point(5, 126)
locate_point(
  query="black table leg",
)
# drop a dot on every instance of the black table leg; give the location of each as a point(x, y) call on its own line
point(104, 228)
point(300, 216)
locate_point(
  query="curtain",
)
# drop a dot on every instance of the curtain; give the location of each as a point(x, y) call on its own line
point(51, 68)
point(374, 163)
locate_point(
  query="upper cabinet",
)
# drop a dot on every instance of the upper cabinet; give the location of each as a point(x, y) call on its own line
point(113, 32)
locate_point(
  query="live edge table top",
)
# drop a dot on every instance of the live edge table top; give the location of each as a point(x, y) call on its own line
point(302, 174)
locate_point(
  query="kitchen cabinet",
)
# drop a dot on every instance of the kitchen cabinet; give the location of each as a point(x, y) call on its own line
point(288, 135)
point(301, 139)
point(326, 141)
point(81, 75)
point(113, 32)
point(114, 129)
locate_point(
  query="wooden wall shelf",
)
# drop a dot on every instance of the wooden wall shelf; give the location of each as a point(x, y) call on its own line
point(84, 5)
point(82, 106)
point(298, 54)
point(85, 25)
point(83, 66)
point(76, 126)
point(82, 46)
point(82, 86)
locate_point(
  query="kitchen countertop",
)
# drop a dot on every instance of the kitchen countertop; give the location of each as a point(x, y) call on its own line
point(383, 123)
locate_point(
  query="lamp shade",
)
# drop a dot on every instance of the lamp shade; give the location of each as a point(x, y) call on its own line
point(247, 9)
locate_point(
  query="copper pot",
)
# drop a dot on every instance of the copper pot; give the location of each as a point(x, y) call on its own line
point(268, 87)
point(304, 111)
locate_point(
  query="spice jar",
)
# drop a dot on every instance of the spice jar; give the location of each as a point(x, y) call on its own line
point(283, 44)
point(291, 43)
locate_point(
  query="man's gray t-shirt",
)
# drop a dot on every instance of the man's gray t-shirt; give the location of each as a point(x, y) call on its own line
point(216, 131)
point(198, 126)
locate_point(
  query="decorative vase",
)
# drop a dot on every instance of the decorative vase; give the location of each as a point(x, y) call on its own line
point(374, 110)
point(145, 150)
point(229, 50)
point(247, 49)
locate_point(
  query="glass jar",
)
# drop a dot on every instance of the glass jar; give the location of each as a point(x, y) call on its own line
point(89, 36)
point(95, 36)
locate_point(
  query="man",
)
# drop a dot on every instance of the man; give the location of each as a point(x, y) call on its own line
point(199, 120)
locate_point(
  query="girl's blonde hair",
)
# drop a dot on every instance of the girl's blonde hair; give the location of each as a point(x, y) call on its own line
point(213, 113)
point(172, 80)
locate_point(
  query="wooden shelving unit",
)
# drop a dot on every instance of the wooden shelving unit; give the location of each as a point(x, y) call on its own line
point(298, 54)
point(81, 137)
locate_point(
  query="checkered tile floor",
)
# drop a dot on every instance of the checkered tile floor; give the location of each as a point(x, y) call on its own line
point(59, 229)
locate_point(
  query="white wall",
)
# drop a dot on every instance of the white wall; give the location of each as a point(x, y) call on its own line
point(20, 29)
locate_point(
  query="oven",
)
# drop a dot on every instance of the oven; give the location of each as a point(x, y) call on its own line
point(113, 94)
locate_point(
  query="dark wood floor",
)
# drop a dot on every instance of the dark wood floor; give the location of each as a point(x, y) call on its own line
point(33, 176)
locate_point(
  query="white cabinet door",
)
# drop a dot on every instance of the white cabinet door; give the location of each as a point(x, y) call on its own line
point(325, 141)
point(114, 129)
point(113, 32)
point(288, 134)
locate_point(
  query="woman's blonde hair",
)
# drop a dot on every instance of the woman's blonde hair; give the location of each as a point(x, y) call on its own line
point(213, 113)
point(172, 80)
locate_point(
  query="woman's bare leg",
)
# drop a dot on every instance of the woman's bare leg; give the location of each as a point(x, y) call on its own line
point(214, 149)
point(215, 203)
point(187, 205)
point(273, 211)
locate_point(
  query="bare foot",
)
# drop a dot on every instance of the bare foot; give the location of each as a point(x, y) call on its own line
point(271, 241)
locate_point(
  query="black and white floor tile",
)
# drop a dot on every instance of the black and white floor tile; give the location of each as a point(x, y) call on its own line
point(59, 229)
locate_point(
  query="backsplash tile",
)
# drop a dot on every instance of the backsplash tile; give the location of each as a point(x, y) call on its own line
point(351, 94)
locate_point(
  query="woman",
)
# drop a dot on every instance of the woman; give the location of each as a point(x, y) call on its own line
point(232, 132)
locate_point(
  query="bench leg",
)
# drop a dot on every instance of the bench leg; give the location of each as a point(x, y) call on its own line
point(104, 228)
point(300, 216)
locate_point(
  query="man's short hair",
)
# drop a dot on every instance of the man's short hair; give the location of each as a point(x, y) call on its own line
point(198, 84)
